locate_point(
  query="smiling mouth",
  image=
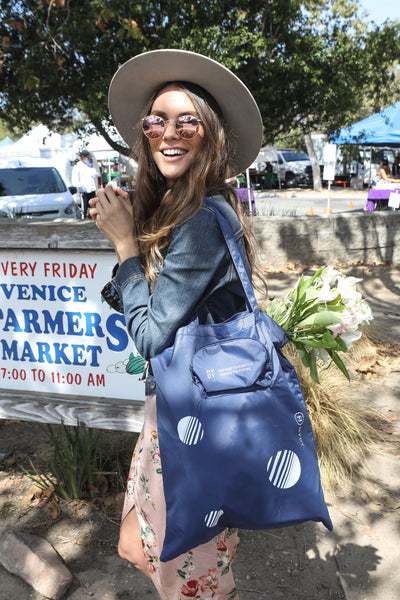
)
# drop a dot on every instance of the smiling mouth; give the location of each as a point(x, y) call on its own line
point(173, 152)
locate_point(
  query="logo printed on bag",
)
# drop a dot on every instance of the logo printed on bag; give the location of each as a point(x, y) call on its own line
point(211, 519)
point(210, 374)
point(190, 430)
point(299, 418)
point(235, 369)
point(284, 469)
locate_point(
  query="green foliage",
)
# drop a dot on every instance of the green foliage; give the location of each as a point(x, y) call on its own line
point(76, 464)
point(311, 64)
point(6, 132)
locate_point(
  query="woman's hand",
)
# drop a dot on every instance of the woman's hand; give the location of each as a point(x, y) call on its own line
point(112, 212)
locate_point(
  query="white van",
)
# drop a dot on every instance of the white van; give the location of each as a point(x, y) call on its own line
point(34, 190)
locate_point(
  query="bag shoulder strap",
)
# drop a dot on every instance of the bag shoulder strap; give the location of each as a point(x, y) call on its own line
point(235, 254)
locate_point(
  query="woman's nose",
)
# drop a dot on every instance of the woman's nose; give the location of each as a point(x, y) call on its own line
point(170, 130)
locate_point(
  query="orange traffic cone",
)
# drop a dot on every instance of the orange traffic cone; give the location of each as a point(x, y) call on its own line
point(351, 205)
point(284, 196)
point(311, 212)
point(330, 210)
point(324, 211)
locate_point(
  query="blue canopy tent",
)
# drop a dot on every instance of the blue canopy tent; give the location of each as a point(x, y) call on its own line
point(381, 129)
point(6, 142)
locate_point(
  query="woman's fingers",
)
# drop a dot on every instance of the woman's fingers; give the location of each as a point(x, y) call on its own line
point(110, 197)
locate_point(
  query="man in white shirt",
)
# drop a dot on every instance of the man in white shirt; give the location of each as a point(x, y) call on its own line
point(85, 179)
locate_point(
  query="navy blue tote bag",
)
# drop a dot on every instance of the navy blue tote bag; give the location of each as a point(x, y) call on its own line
point(236, 443)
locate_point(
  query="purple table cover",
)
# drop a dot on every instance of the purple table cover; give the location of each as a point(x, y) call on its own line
point(243, 196)
point(378, 196)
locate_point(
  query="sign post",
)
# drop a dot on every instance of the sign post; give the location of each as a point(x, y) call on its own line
point(329, 169)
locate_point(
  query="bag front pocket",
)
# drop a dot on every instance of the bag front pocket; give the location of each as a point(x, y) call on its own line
point(230, 364)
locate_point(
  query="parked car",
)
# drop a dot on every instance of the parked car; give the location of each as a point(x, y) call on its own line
point(293, 168)
point(34, 192)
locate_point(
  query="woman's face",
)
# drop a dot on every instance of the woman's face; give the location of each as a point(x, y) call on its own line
point(172, 154)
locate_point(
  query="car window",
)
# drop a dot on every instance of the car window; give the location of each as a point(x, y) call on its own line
point(294, 156)
point(30, 180)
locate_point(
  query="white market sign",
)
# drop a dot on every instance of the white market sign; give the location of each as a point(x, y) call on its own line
point(56, 334)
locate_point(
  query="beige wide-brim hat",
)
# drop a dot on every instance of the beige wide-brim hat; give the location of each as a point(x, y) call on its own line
point(136, 80)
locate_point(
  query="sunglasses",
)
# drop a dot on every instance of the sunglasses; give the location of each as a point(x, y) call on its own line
point(186, 126)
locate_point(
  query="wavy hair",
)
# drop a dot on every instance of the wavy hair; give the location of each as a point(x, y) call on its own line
point(159, 209)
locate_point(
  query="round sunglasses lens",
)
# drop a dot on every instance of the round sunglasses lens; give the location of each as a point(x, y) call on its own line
point(187, 126)
point(153, 127)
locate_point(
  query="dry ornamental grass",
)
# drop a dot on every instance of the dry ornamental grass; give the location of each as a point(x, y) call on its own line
point(346, 427)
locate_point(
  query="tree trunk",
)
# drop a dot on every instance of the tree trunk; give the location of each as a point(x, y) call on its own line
point(314, 162)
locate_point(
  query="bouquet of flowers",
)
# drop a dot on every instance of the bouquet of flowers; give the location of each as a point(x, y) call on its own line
point(322, 315)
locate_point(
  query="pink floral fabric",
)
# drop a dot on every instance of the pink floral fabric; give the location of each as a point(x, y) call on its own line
point(204, 572)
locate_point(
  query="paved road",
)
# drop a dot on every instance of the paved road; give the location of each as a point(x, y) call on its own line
point(296, 202)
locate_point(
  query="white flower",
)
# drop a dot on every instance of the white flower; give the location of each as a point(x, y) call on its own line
point(348, 318)
point(347, 290)
point(329, 275)
point(326, 294)
point(351, 336)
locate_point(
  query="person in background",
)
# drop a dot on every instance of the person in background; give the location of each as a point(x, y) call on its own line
point(85, 179)
point(396, 167)
point(383, 180)
point(241, 178)
point(270, 178)
point(175, 109)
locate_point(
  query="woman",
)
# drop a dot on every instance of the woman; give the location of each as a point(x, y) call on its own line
point(383, 179)
point(396, 168)
point(193, 125)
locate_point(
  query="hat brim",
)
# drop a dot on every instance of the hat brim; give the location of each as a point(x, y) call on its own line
point(136, 80)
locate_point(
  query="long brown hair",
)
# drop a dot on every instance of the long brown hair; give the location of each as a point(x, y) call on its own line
point(157, 208)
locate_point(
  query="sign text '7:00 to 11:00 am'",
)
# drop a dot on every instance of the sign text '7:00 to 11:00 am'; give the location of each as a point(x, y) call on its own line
point(39, 375)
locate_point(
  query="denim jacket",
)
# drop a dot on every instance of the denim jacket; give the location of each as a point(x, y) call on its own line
point(198, 278)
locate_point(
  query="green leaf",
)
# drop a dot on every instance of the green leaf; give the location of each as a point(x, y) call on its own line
point(304, 355)
point(313, 366)
point(340, 364)
point(325, 318)
point(310, 280)
point(181, 574)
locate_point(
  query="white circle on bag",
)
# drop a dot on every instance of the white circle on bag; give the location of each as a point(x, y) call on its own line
point(190, 430)
point(211, 518)
point(284, 469)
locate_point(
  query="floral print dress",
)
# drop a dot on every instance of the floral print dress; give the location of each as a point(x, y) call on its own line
point(204, 572)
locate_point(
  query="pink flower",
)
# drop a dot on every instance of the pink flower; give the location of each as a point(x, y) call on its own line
point(190, 589)
point(337, 329)
point(149, 561)
point(221, 546)
point(209, 581)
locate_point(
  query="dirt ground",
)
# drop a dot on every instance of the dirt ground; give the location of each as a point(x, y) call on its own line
point(357, 561)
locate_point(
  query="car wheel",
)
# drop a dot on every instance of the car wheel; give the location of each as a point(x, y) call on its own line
point(290, 180)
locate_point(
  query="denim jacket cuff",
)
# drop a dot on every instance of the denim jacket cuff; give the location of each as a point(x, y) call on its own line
point(121, 275)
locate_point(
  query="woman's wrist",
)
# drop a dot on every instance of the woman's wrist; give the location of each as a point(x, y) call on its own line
point(126, 249)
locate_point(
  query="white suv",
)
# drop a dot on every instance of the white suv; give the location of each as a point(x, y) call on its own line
point(34, 192)
point(294, 168)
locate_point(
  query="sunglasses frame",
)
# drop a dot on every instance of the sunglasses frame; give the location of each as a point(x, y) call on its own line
point(166, 123)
